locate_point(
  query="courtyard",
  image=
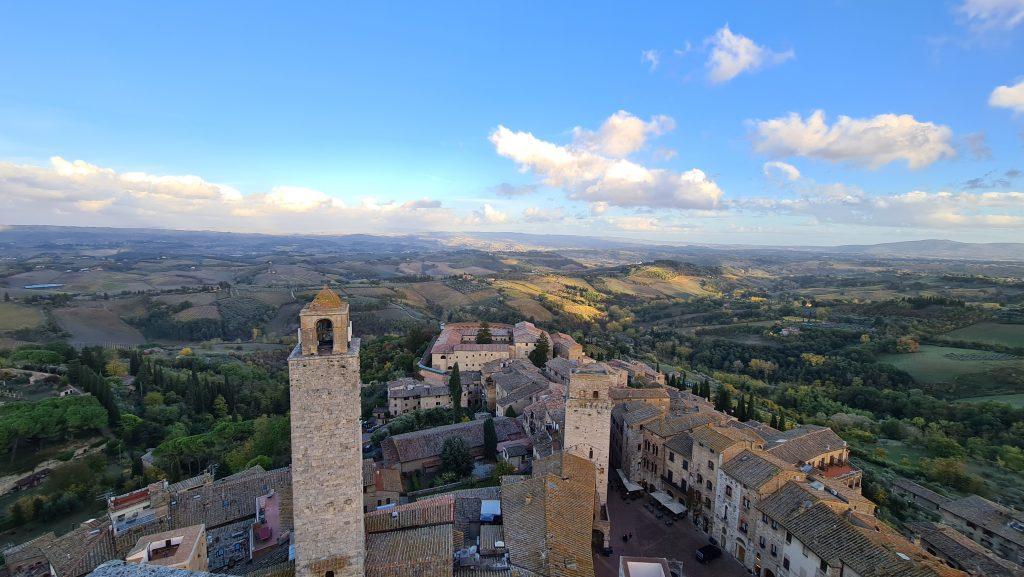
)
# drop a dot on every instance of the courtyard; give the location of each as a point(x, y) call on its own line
point(652, 538)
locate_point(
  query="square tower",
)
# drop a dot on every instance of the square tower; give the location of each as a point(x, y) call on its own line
point(587, 432)
point(327, 483)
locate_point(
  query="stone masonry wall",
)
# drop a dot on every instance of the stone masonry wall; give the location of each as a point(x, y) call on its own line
point(327, 464)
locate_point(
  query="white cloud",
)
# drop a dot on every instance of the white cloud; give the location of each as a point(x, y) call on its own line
point(536, 214)
point(776, 169)
point(987, 14)
point(869, 141)
point(642, 223)
point(488, 215)
point(590, 169)
point(599, 207)
point(511, 190)
point(621, 134)
point(651, 58)
point(80, 193)
point(1011, 97)
point(733, 54)
point(839, 203)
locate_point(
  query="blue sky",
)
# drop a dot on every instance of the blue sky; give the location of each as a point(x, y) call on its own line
point(391, 117)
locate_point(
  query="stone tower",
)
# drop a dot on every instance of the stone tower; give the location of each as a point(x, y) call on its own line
point(587, 431)
point(327, 484)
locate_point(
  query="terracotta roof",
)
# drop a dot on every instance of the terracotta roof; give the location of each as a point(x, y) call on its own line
point(428, 442)
point(673, 424)
point(548, 518)
point(189, 540)
point(422, 552)
point(119, 568)
point(968, 555)
point(681, 445)
point(622, 394)
point(805, 443)
point(820, 522)
point(754, 468)
point(435, 511)
point(388, 480)
point(919, 490)
point(324, 300)
point(635, 412)
point(988, 515)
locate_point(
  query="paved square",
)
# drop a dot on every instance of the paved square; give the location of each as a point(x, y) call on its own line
point(651, 538)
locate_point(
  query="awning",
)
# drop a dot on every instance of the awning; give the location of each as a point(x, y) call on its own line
point(630, 485)
point(668, 502)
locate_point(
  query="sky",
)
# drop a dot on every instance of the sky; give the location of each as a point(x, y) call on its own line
point(817, 122)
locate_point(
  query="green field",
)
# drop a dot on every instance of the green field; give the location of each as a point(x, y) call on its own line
point(1016, 400)
point(14, 316)
point(958, 373)
point(1006, 335)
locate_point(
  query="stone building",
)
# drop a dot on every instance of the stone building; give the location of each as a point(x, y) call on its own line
point(587, 431)
point(406, 395)
point(960, 552)
point(183, 548)
point(994, 526)
point(323, 373)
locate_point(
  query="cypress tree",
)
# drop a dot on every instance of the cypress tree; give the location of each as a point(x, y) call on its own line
point(455, 391)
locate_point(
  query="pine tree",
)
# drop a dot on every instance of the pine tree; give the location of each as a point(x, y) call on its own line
point(751, 412)
point(774, 422)
point(741, 410)
point(782, 422)
point(455, 391)
point(483, 335)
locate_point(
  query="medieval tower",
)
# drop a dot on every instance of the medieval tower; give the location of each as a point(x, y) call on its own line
point(587, 431)
point(323, 373)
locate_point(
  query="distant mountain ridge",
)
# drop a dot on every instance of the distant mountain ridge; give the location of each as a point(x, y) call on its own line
point(41, 235)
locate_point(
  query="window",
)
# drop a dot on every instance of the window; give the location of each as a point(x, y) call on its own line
point(823, 566)
point(774, 550)
point(775, 525)
point(671, 457)
point(700, 478)
point(761, 542)
point(595, 394)
point(591, 453)
point(329, 574)
point(728, 491)
point(669, 476)
point(764, 517)
point(789, 537)
point(785, 563)
point(744, 526)
point(686, 465)
point(708, 485)
point(746, 503)
point(711, 465)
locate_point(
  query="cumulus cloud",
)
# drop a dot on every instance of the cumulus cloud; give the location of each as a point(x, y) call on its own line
point(643, 223)
point(77, 192)
point(598, 208)
point(989, 14)
point(651, 58)
point(732, 54)
point(621, 134)
point(872, 141)
point(839, 203)
point(593, 168)
point(780, 170)
point(536, 214)
point(1011, 97)
point(487, 215)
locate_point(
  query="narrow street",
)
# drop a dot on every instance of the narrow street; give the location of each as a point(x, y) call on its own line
point(652, 538)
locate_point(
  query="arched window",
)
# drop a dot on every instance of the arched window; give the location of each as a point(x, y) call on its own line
point(324, 338)
point(591, 452)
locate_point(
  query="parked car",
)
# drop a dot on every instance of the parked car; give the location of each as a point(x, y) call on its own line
point(708, 553)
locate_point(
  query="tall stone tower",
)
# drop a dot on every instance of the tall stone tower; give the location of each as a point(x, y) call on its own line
point(587, 431)
point(327, 484)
